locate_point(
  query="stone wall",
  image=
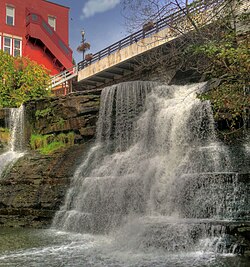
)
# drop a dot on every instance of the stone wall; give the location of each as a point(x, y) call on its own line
point(76, 112)
point(34, 189)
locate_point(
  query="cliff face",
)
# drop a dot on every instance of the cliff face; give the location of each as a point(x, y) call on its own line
point(76, 112)
point(34, 188)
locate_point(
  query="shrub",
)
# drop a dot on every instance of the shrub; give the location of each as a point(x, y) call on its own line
point(52, 147)
point(47, 144)
point(20, 80)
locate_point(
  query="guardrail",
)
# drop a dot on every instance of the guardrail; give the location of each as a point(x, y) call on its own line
point(63, 76)
point(171, 19)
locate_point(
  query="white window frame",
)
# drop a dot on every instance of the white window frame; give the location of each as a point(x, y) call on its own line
point(10, 47)
point(10, 15)
point(52, 24)
point(17, 49)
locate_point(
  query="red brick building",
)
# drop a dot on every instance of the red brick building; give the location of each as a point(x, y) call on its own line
point(37, 29)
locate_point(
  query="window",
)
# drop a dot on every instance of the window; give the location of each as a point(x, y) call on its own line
point(52, 22)
point(12, 45)
point(7, 45)
point(10, 15)
point(17, 47)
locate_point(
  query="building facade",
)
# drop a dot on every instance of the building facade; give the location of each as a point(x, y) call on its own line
point(37, 29)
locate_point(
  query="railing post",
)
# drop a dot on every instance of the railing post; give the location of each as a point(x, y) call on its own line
point(131, 39)
point(143, 34)
point(157, 27)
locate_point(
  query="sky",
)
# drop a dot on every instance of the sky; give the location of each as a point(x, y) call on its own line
point(101, 20)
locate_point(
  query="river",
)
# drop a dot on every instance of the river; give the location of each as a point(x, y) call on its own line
point(51, 248)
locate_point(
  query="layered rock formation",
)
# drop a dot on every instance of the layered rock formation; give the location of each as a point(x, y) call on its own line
point(34, 188)
point(76, 112)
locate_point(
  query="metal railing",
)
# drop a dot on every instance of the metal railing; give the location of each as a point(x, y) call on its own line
point(63, 76)
point(166, 22)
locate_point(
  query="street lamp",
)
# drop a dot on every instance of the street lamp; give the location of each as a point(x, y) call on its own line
point(83, 41)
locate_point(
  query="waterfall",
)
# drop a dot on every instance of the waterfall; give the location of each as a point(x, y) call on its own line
point(16, 143)
point(155, 159)
point(16, 125)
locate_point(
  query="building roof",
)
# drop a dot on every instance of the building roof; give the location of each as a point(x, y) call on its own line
point(56, 4)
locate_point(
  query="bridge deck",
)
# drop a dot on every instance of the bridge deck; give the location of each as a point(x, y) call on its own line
point(120, 58)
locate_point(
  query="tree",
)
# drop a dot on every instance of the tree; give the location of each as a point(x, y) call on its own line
point(21, 80)
point(138, 12)
point(212, 40)
point(185, 21)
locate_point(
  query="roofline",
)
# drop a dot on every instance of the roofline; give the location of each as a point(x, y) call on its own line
point(56, 4)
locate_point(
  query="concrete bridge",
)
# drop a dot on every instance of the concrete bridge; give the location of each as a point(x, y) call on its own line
point(123, 57)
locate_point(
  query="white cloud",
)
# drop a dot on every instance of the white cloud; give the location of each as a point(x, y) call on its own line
point(98, 6)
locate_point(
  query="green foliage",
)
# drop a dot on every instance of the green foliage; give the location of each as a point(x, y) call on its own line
point(6, 130)
point(4, 135)
point(229, 101)
point(48, 113)
point(20, 80)
point(42, 113)
point(52, 147)
point(66, 138)
point(47, 144)
point(38, 141)
point(224, 54)
point(61, 122)
point(229, 61)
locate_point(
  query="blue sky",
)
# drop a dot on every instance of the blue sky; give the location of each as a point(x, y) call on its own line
point(101, 20)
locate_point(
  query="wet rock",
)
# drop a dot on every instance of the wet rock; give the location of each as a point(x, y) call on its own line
point(34, 189)
point(2, 117)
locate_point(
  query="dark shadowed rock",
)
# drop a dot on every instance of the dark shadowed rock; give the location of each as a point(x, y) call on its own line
point(35, 187)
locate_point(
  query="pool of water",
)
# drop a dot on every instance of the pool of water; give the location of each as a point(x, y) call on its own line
point(32, 248)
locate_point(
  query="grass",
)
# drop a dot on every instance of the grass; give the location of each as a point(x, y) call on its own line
point(49, 143)
point(38, 141)
point(51, 148)
point(4, 135)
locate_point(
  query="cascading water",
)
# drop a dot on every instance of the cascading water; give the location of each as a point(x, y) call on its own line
point(156, 182)
point(16, 143)
point(155, 171)
point(16, 125)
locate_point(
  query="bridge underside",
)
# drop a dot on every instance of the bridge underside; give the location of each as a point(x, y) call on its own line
point(132, 68)
point(123, 62)
point(109, 75)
